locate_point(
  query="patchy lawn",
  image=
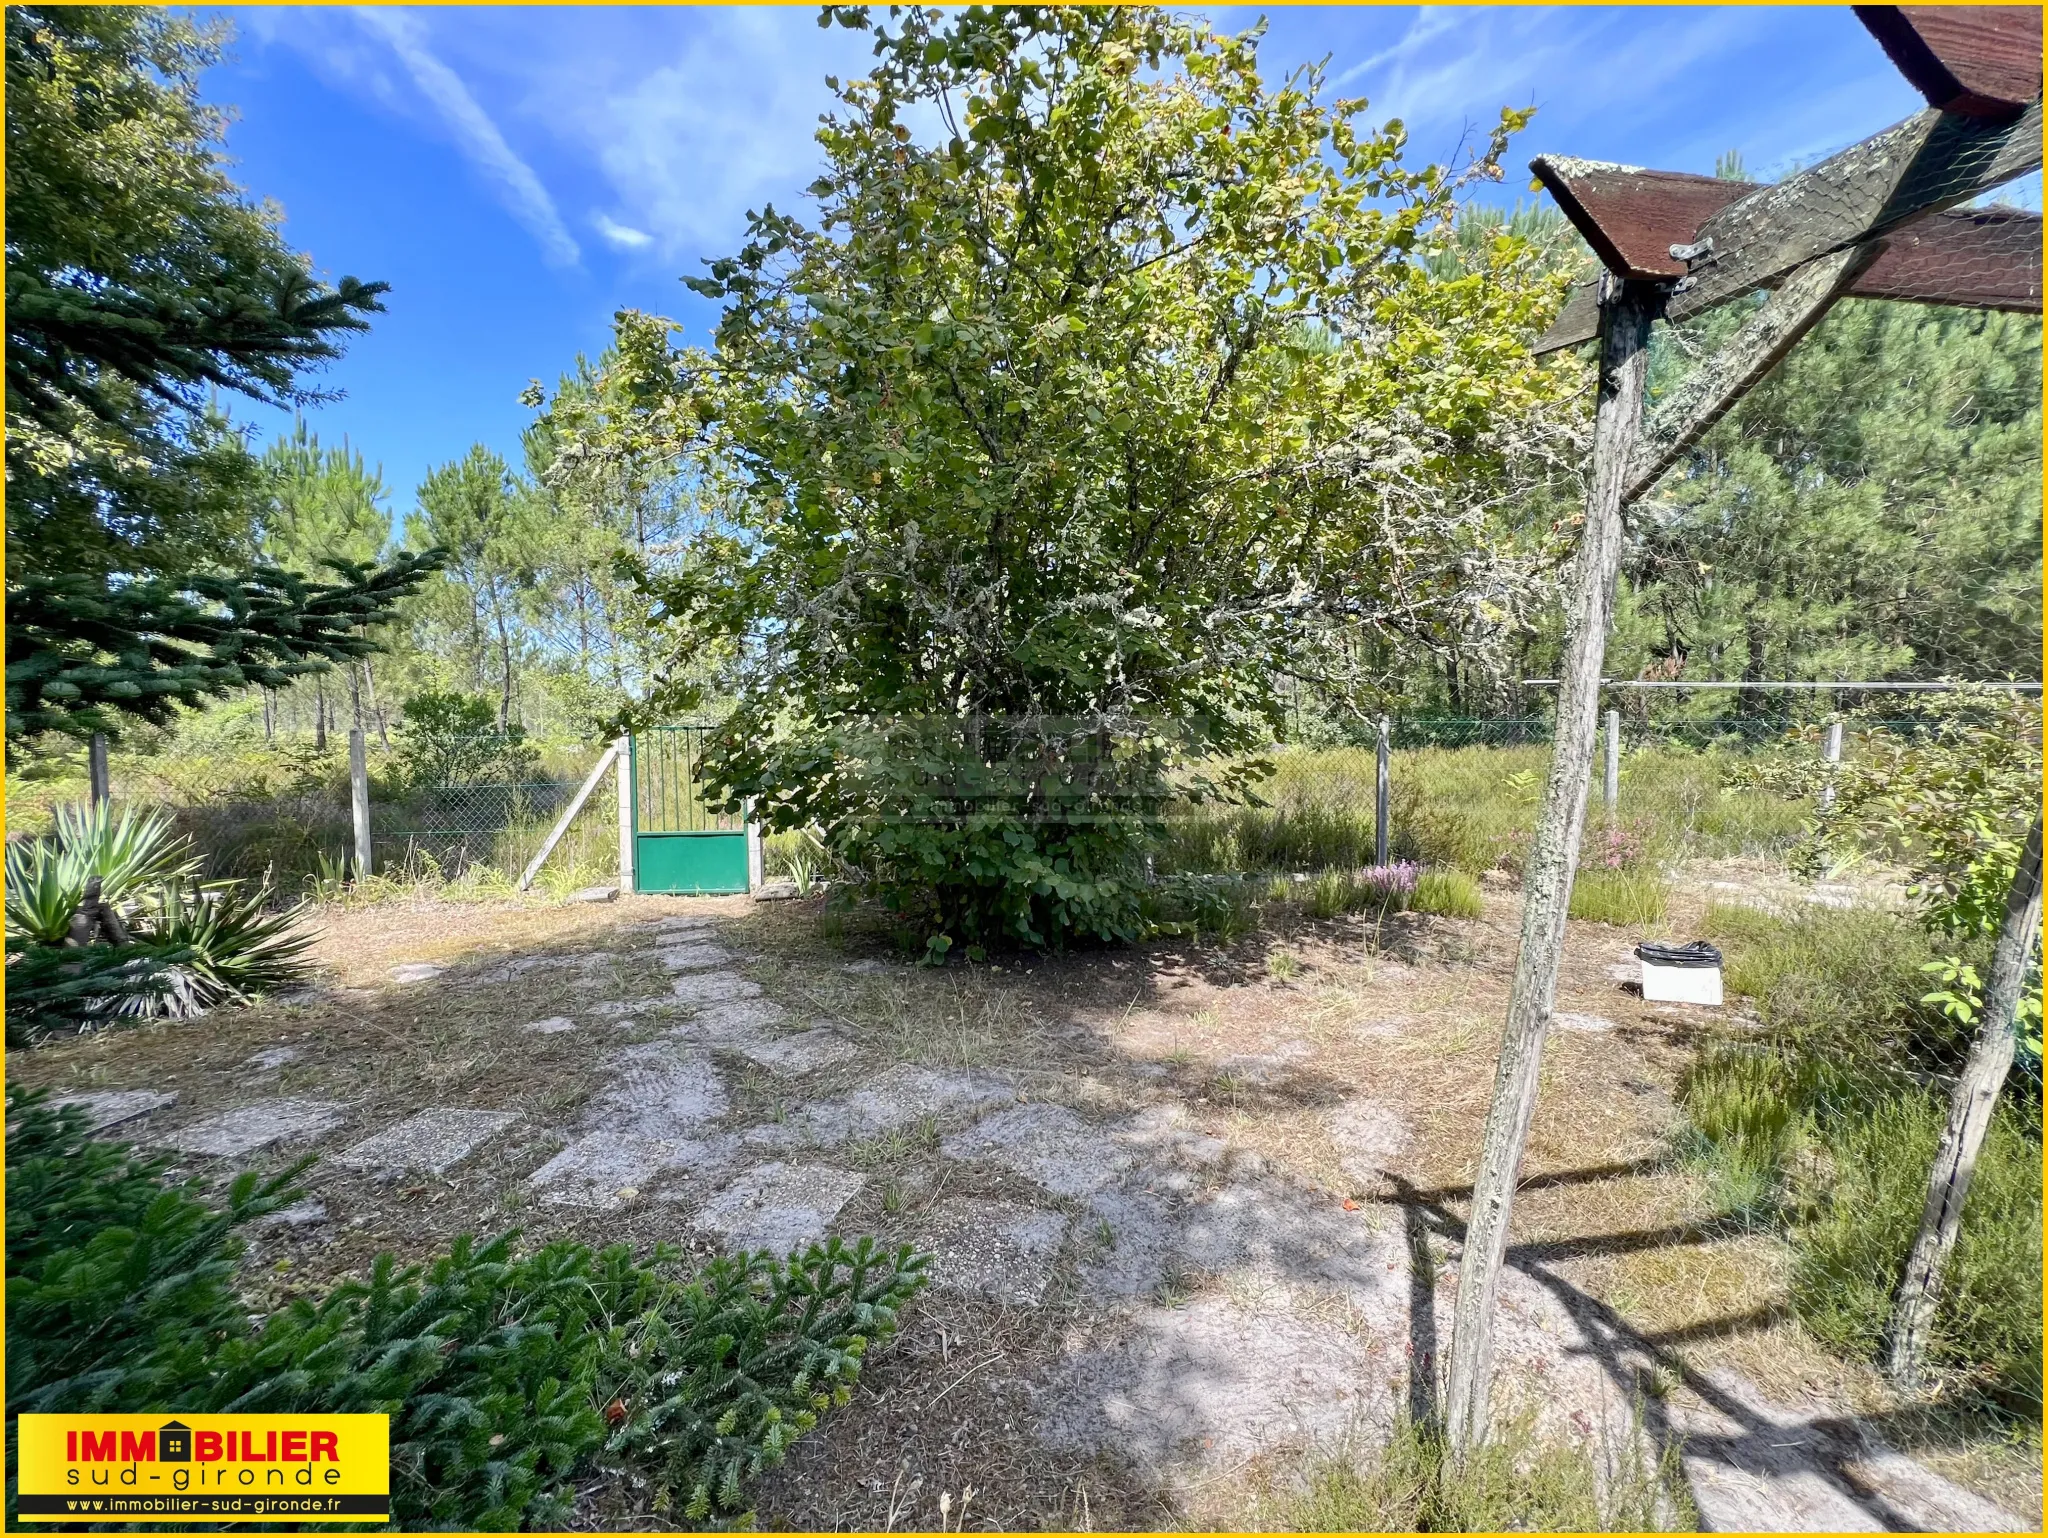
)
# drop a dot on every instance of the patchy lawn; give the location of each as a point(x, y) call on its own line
point(1195, 1211)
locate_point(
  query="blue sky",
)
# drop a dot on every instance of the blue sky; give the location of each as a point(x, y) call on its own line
point(517, 174)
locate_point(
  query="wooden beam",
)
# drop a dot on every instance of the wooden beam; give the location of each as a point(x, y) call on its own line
point(1553, 857)
point(1632, 217)
point(1974, 258)
point(1978, 60)
point(1710, 390)
point(1933, 161)
point(562, 825)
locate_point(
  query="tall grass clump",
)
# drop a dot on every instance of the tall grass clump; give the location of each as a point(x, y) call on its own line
point(1851, 1249)
point(1516, 1480)
point(1634, 898)
point(1449, 894)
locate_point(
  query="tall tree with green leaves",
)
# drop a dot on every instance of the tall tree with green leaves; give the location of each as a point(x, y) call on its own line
point(143, 285)
point(1106, 383)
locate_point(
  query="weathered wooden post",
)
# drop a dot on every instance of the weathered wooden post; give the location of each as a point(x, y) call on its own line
point(1969, 1118)
point(1381, 792)
point(359, 798)
point(1610, 788)
point(622, 748)
point(1831, 756)
point(97, 787)
point(1627, 309)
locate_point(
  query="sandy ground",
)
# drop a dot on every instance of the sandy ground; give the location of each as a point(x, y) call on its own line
point(1195, 1212)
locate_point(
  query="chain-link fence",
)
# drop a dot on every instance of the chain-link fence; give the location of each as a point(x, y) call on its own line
point(461, 809)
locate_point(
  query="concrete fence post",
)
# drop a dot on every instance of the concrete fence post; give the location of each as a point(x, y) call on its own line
point(359, 797)
point(1382, 776)
point(1831, 756)
point(622, 763)
point(97, 787)
point(757, 864)
point(1610, 792)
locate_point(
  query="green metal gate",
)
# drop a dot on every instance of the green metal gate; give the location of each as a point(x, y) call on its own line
point(679, 845)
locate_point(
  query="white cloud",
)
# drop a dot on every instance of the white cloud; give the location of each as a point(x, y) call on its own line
point(624, 236)
point(715, 118)
point(477, 136)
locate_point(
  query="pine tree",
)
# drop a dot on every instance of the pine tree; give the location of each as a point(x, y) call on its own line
point(141, 285)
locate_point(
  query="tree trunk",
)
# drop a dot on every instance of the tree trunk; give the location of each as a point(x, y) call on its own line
point(269, 716)
point(1627, 309)
point(1969, 1118)
point(320, 711)
point(505, 659)
point(376, 705)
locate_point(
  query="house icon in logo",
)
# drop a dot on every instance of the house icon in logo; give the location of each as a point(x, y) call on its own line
point(174, 1442)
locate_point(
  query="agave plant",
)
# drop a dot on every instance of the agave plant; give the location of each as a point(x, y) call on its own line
point(129, 852)
point(43, 891)
point(219, 943)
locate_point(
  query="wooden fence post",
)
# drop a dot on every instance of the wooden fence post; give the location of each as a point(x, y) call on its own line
point(1381, 786)
point(97, 787)
point(359, 798)
point(1610, 789)
point(623, 762)
point(1627, 309)
point(1969, 1117)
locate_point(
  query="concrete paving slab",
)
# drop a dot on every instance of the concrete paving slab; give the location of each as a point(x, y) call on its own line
point(230, 1134)
point(801, 1052)
point(695, 957)
point(732, 1024)
point(1042, 1142)
point(999, 1250)
point(713, 988)
point(1369, 1137)
point(433, 1140)
point(662, 1090)
point(1568, 1021)
point(603, 1169)
point(778, 1207)
point(116, 1107)
point(1213, 1383)
point(896, 1098)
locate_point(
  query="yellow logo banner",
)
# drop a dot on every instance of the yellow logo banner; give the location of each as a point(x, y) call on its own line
point(214, 1468)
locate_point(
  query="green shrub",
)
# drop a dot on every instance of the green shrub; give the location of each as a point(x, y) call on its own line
point(1514, 1481)
point(1844, 983)
point(451, 739)
point(1851, 1251)
point(1450, 894)
point(1629, 897)
point(507, 1377)
point(1841, 1073)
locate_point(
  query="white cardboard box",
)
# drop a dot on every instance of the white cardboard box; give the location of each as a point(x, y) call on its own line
point(1681, 985)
